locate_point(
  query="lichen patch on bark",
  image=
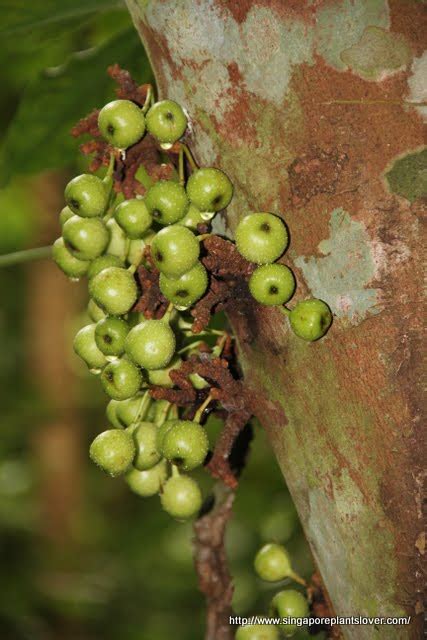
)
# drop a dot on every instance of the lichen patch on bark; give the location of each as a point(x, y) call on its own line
point(378, 54)
point(417, 85)
point(340, 25)
point(342, 275)
point(407, 177)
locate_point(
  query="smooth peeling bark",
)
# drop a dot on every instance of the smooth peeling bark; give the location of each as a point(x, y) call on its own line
point(315, 110)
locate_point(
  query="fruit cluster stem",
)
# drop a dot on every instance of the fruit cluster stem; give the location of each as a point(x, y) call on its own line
point(202, 407)
point(149, 99)
point(18, 257)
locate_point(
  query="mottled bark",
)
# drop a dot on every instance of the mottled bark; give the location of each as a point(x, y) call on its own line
point(315, 110)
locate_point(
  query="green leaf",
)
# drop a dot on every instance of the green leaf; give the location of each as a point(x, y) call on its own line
point(20, 15)
point(39, 137)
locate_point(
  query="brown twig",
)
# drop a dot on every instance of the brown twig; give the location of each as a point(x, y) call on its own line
point(223, 388)
point(228, 288)
point(211, 565)
point(151, 301)
point(219, 465)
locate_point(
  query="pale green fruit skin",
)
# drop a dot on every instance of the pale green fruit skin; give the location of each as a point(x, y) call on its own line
point(272, 284)
point(192, 218)
point(65, 215)
point(110, 335)
point(85, 347)
point(187, 289)
point(151, 344)
point(103, 262)
point(289, 603)
point(185, 445)
point(114, 290)
point(118, 243)
point(310, 319)
point(162, 431)
point(175, 251)
point(181, 497)
point(94, 312)
point(134, 318)
point(151, 413)
point(272, 563)
point(127, 120)
point(261, 238)
point(257, 632)
point(85, 238)
point(71, 266)
point(166, 121)
point(87, 196)
point(135, 252)
point(133, 217)
point(209, 189)
point(113, 451)
point(128, 410)
point(111, 413)
point(121, 379)
point(136, 248)
point(148, 483)
point(147, 454)
point(160, 407)
point(167, 202)
point(161, 377)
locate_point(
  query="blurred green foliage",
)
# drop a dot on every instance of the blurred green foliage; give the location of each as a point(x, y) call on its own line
point(58, 98)
point(20, 17)
point(129, 573)
point(53, 99)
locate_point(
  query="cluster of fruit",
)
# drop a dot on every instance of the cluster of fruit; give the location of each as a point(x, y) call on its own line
point(263, 238)
point(105, 238)
point(273, 564)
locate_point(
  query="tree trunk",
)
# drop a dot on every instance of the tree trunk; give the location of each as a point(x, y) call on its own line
point(315, 110)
